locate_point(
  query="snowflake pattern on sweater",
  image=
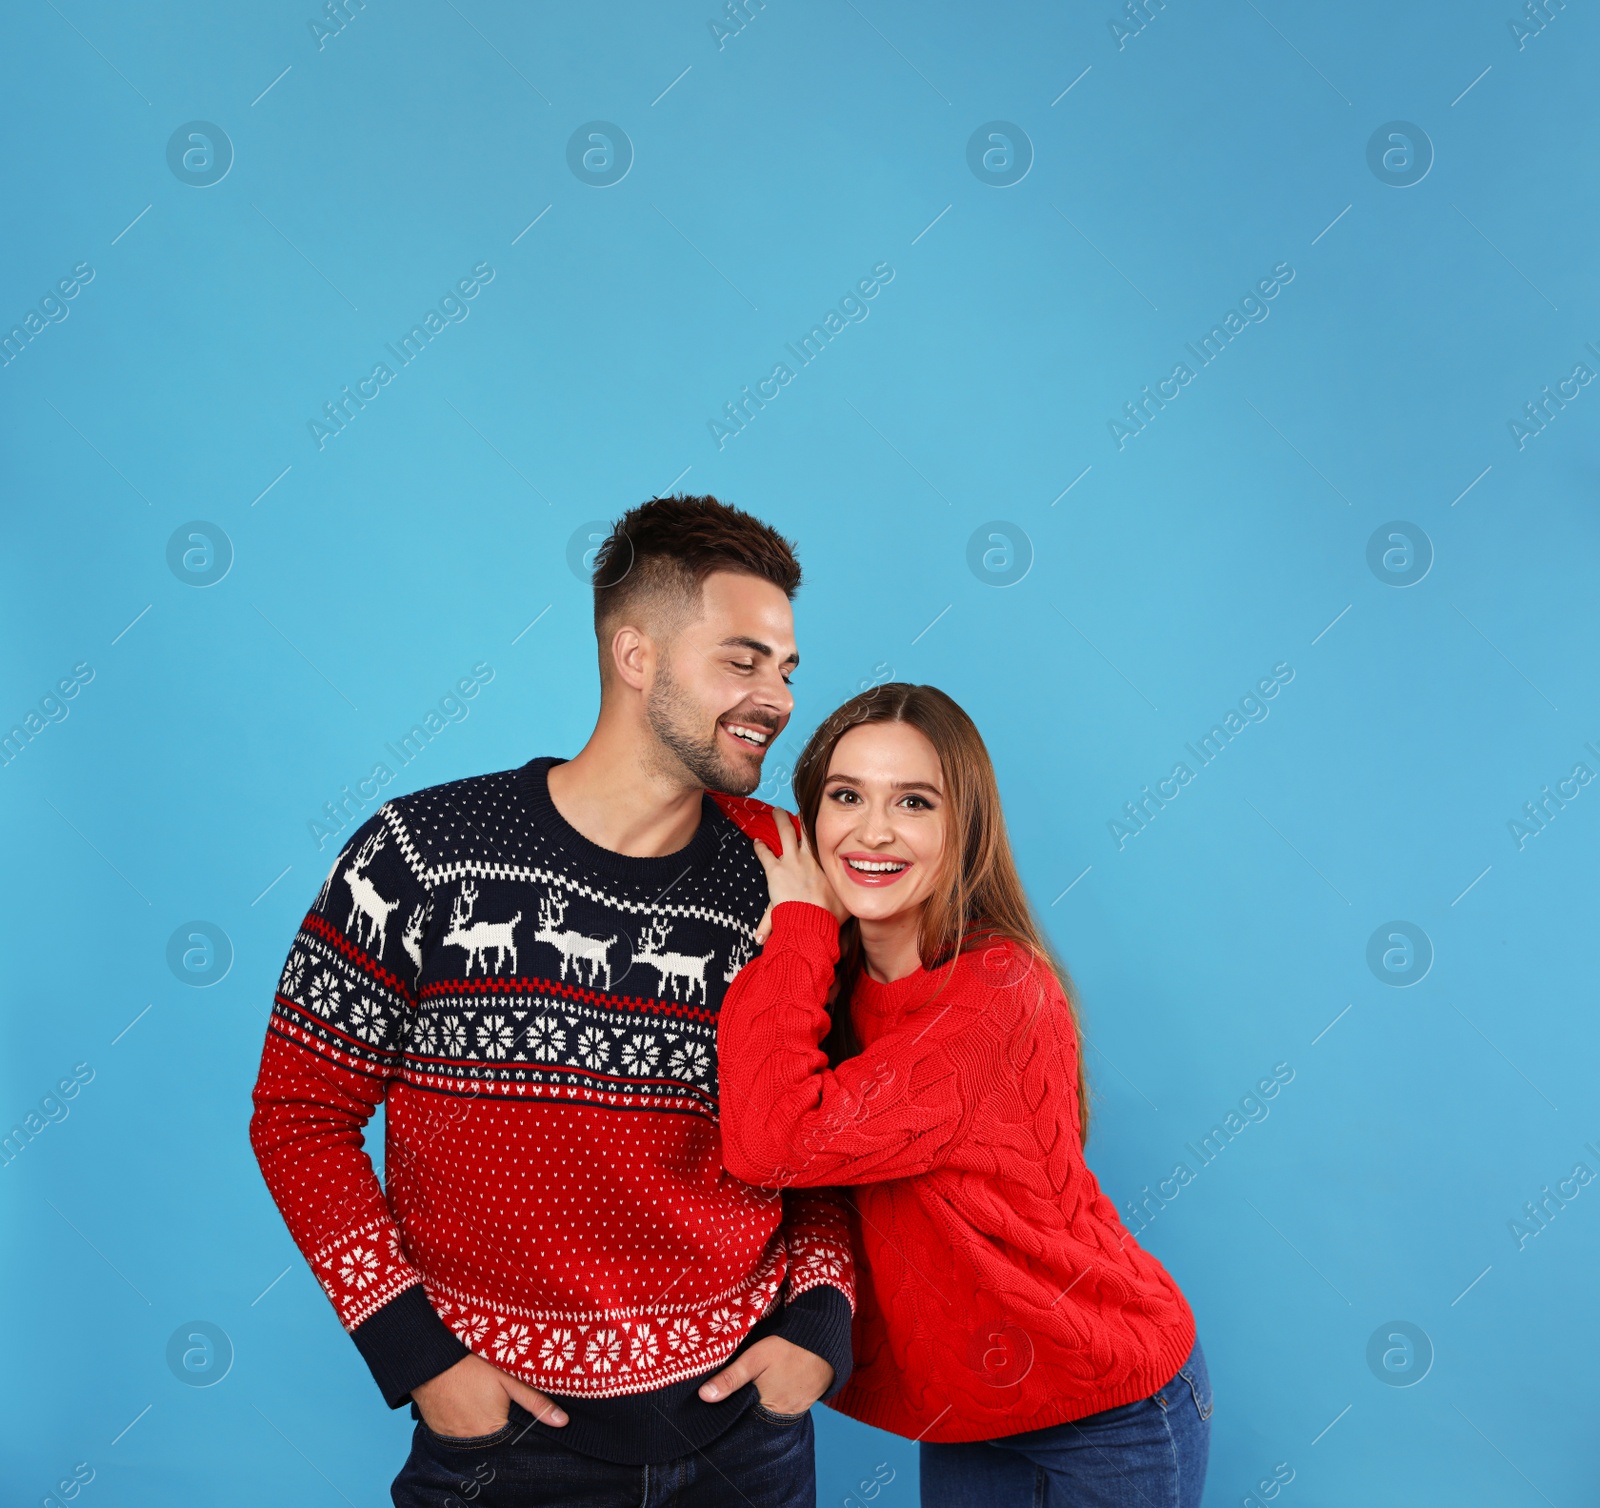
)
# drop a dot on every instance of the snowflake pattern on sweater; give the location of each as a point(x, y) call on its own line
point(539, 1018)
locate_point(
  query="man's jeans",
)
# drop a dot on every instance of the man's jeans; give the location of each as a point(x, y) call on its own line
point(1149, 1454)
point(765, 1460)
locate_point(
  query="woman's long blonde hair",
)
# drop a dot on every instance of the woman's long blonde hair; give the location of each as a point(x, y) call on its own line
point(977, 897)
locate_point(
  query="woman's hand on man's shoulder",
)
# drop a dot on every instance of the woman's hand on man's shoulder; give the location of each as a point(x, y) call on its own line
point(794, 874)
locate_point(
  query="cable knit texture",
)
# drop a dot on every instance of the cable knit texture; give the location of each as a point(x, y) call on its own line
point(1000, 1291)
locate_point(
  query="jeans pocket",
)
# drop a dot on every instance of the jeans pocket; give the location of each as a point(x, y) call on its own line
point(472, 1441)
point(772, 1416)
point(1195, 1374)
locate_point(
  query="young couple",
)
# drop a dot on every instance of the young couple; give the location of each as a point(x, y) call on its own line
point(694, 1117)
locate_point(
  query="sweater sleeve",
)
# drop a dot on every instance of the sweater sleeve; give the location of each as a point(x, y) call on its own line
point(788, 1120)
point(335, 1039)
point(820, 1290)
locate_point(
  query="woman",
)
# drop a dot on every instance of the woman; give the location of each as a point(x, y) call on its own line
point(1007, 1321)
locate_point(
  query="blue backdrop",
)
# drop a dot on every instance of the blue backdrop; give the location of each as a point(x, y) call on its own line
point(1217, 430)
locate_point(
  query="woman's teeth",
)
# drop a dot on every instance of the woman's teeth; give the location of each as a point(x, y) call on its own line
point(885, 866)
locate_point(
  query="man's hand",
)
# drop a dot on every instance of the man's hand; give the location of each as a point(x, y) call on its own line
point(471, 1398)
point(788, 1378)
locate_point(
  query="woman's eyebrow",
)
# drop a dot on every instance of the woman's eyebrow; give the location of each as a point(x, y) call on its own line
point(898, 785)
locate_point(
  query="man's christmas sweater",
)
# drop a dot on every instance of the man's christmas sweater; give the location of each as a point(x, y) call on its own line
point(538, 1017)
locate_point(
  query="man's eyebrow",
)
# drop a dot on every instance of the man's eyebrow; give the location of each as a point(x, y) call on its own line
point(755, 646)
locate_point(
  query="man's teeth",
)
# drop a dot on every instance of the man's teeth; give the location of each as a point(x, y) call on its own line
point(885, 866)
point(749, 735)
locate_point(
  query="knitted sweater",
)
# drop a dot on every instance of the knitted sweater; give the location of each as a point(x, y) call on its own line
point(538, 1017)
point(1001, 1292)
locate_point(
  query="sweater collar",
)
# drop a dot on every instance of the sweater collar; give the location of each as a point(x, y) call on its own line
point(903, 994)
point(590, 858)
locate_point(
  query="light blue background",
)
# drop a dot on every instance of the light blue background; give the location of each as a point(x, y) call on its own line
point(770, 176)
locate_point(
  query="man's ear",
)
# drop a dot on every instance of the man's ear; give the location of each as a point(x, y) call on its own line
point(633, 656)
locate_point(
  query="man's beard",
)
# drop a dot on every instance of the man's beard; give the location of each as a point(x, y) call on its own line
point(673, 718)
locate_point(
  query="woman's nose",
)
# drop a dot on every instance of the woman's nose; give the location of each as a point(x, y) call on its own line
point(876, 826)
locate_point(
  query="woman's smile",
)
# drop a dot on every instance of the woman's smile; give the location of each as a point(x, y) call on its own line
point(874, 869)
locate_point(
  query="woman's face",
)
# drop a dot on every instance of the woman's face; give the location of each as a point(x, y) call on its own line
point(881, 825)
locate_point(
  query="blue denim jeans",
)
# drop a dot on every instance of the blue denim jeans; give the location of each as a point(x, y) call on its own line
point(766, 1460)
point(1149, 1454)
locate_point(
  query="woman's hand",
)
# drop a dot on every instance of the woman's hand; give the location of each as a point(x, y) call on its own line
point(794, 874)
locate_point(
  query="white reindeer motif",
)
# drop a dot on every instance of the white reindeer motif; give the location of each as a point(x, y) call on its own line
point(672, 967)
point(479, 939)
point(411, 938)
point(574, 947)
point(743, 951)
point(372, 930)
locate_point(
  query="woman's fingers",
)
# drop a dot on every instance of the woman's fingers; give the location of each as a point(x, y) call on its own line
point(794, 874)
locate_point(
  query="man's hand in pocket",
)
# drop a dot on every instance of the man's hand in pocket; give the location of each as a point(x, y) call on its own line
point(472, 1398)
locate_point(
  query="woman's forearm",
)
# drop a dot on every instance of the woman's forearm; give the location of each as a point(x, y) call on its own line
point(788, 1119)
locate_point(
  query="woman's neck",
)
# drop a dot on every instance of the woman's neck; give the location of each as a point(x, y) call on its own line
point(889, 948)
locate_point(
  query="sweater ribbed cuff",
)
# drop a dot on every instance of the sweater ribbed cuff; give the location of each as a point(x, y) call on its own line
point(819, 1322)
point(807, 926)
point(405, 1344)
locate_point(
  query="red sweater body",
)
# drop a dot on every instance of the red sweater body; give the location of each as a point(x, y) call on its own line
point(1000, 1291)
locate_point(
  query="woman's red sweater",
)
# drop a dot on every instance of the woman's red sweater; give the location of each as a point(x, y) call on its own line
point(999, 1290)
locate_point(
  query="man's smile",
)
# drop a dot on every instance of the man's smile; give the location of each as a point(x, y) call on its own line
point(747, 734)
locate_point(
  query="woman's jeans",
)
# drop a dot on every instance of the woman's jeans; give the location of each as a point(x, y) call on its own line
point(1149, 1454)
point(764, 1459)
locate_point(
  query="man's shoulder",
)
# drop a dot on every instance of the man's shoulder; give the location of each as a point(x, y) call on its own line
point(736, 877)
point(470, 796)
point(460, 816)
point(755, 819)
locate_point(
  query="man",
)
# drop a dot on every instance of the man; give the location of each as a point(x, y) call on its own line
point(525, 969)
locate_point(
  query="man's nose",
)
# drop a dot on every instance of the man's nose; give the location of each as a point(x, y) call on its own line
point(776, 696)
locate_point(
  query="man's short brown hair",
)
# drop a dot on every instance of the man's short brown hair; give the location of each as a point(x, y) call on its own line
point(668, 546)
